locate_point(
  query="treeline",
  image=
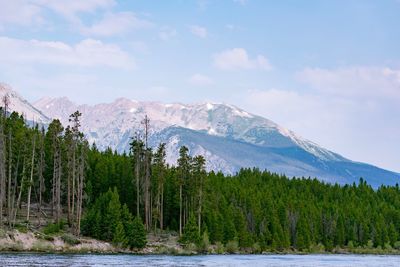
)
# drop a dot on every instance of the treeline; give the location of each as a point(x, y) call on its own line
point(41, 168)
point(56, 169)
point(251, 208)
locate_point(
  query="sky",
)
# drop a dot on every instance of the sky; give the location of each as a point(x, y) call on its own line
point(328, 70)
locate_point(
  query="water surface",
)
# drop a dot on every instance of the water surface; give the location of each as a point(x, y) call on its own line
point(27, 259)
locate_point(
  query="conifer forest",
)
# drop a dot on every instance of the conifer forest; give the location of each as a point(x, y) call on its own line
point(51, 175)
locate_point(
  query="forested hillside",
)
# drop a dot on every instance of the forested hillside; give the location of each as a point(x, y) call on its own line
point(117, 197)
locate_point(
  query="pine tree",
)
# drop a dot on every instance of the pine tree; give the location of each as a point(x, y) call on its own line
point(159, 174)
point(138, 235)
point(119, 238)
point(190, 232)
point(199, 170)
point(302, 235)
point(183, 166)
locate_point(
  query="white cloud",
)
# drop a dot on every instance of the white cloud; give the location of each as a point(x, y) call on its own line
point(31, 12)
point(140, 47)
point(87, 53)
point(69, 9)
point(19, 12)
point(200, 80)
point(361, 81)
point(198, 31)
point(352, 127)
point(237, 58)
point(167, 33)
point(351, 110)
point(116, 23)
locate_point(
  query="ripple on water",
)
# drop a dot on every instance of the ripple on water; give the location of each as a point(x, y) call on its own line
point(31, 259)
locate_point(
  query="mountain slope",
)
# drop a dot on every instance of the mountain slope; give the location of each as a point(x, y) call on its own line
point(20, 105)
point(229, 137)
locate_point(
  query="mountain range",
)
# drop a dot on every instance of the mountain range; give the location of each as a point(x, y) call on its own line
point(230, 138)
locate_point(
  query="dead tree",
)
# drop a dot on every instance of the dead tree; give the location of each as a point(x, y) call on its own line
point(31, 176)
point(146, 190)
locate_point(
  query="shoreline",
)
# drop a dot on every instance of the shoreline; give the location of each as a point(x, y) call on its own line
point(14, 241)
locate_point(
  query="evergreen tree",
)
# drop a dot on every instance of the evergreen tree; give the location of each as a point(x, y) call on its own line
point(190, 232)
point(119, 238)
point(137, 237)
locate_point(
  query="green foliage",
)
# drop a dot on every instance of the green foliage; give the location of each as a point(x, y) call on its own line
point(256, 248)
point(108, 220)
point(191, 232)
point(219, 248)
point(119, 238)
point(21, 228)
point(204, 245)
point(252, 207)
point(232, 247)
point(70, 239)
point(53, 228)
point(138, 234)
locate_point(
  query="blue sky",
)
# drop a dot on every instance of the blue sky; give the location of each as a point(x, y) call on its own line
point(328, 70)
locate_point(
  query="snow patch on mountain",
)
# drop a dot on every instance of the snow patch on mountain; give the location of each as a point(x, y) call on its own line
point(22, 106)
point(229, 137)
point(112, 121)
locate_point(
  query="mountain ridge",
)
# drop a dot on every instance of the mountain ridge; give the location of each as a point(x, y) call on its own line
point(19, 104)
point(229, 137)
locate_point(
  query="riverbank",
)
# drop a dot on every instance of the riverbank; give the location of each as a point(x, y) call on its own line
point(162, 244)
point(35, 241)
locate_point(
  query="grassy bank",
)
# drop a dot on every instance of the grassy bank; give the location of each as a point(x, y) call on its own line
point(25, 240)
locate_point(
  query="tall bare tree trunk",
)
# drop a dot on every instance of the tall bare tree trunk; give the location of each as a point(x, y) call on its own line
point(2, 168)
point(14, 191)
point(40, 174)
point(53, 189)
point(31, 178)
point(69, 182)
point(162, 209)
point(137, 171)
point(147, 210)
point(58, 188)
point(20, 192)
point(3, 148)
point(180, 210)
point(9, 202)
point(73, 181)
point(81, 177)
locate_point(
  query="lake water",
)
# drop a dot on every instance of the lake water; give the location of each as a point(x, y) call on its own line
point(26, 259)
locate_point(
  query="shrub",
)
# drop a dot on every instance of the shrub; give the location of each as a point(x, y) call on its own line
point(53, 228)
point(41, 246)
point(320, 248)
point(370, 244)
point(397, 245)
point(205, 243)
point(70, 239)
point(2, 233)
point(220, 249)
point(17, 246)
point(388, 246)
point(232, 247)
point(21, 228)
point(191, 247)
point(256, 248)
